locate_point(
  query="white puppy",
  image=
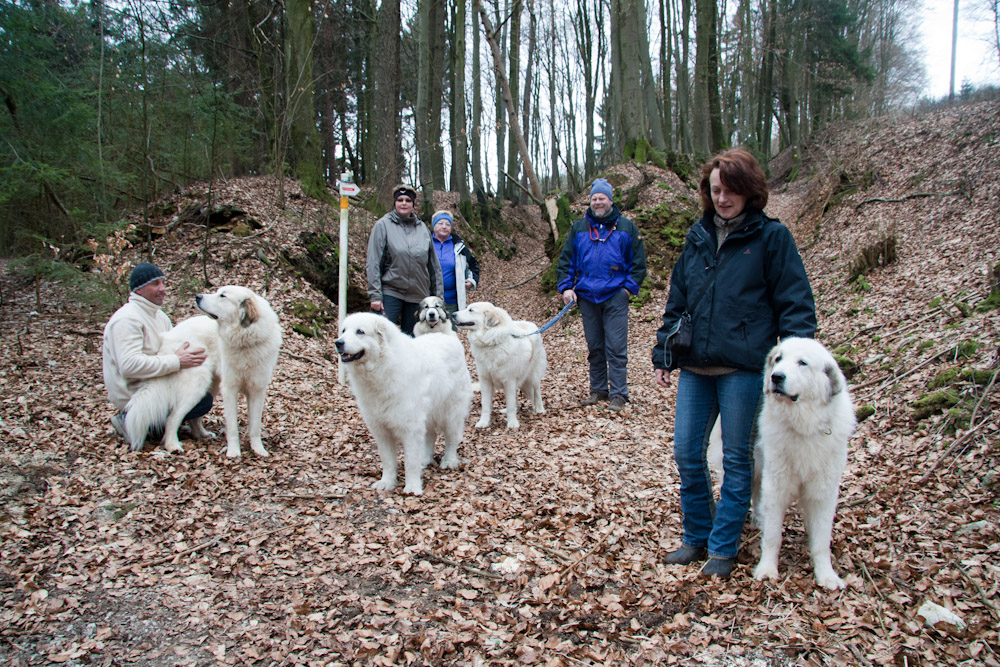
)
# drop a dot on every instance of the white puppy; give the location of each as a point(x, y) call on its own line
point(408, 391)
point(432, 317)
point(506, 358)
point(249, 340)
point(170, 397)
point(804, 427)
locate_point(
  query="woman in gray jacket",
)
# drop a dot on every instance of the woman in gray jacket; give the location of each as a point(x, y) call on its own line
point(402, 265)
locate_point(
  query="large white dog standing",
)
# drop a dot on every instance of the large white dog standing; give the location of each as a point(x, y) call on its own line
point(804, 427)
point(408, 391)
point(506, 358)
point(249, 341)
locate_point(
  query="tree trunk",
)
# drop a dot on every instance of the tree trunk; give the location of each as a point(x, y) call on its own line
point(536, 190)
point(765, 88)
point(305, 150)
point(477, 107)
point(681, 57)
point(421, 112)
point(385, 102)
point(510, 191)
point(582, 24)
point(459, 130)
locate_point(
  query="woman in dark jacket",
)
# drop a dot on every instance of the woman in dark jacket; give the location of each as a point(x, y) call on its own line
point(741, 279)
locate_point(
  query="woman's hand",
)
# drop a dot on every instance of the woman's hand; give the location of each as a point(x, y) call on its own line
point(377, 306)
point(568, 297)
point(662, 377)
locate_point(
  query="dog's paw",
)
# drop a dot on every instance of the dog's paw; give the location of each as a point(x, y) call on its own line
point(233, 452)
point(483, 423)
point(258, 449)
point(414, 489)
point(450, 463)
point(384, 485)
point(765, 571)
point(173, 446)
point(513, 424)
point(830, 581)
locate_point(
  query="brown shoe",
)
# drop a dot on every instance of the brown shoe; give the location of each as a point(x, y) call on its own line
point(616, 404)
point(594, 398)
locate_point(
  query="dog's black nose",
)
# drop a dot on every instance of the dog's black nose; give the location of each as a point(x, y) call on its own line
point(197, 298)
point(777, 379)
point(339, 344)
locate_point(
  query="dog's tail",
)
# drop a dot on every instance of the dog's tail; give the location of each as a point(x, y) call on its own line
point(146, 408)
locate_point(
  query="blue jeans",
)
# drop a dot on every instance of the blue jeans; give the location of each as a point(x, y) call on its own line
point(700, 399)
point(605, 326)
point(400, 312)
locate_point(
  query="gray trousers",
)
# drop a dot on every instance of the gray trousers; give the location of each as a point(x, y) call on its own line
point(605, 326)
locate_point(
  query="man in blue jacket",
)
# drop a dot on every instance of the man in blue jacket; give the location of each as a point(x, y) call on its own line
point(603, 261)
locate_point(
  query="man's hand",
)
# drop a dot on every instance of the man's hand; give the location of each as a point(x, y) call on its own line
point(568, 297)
point(662, 377)
point(377, 306)
point(191, 358)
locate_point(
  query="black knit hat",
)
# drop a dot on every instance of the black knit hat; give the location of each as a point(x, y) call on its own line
point(142, 275)
point(404, 190)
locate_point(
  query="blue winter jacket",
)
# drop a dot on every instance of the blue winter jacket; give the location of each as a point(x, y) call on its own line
point(760, 294)
point(600, 256)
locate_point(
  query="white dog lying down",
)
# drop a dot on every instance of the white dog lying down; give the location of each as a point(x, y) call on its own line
point(432, 317)
point(249, 341)
point(167, 399)
point(505, 358)
point(801, 451)
point(408, 391)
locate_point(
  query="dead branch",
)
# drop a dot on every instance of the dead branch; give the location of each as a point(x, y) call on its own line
point(523, 189)
point(986, 392)
point(571, 566)
point(468, 568)
point(915, 195)
point(897, 378)
point(952, 447)
point(311, 360)
point(526, 280)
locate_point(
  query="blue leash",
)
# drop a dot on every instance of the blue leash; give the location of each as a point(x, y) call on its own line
point(550, 322)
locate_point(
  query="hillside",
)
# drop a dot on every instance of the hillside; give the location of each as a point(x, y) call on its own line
point(109, 557)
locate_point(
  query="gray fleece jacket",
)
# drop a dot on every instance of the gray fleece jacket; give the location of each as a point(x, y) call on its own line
point(401, 260)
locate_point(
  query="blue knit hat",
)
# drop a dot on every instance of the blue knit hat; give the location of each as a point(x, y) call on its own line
point(442, 215)
point(142, 275)
point(601, 186)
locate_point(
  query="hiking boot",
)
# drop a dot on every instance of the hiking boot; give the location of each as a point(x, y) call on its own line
point(685, 555)
point(616, 404)
point(594, 398)
point(718, 567)
point(118, 421)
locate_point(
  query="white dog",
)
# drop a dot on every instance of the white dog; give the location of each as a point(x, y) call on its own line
point(408, 391)
point(804, 427)
point(506, 358)
point(432, 317)
point(249, 340)
point(170, 397)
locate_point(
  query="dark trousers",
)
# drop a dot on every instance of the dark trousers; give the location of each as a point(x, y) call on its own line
point(605, 326)
point(400, 312)
point(200, 410)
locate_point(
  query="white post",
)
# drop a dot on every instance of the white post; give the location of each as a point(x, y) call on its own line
point(345, 178)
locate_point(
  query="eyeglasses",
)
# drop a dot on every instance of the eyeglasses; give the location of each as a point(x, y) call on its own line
point(404, 199)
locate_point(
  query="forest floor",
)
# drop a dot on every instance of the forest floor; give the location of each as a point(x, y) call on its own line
point(546, 547)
